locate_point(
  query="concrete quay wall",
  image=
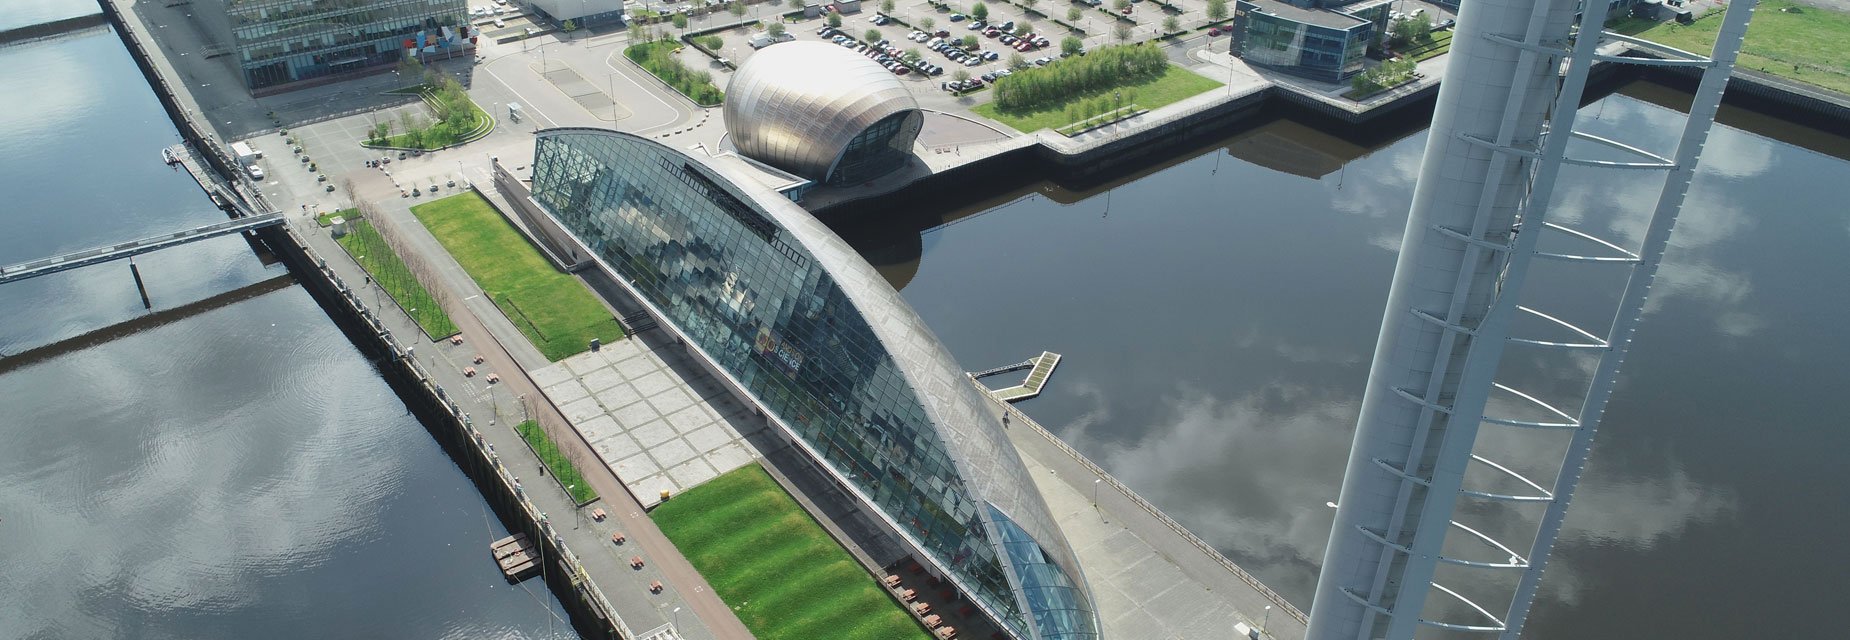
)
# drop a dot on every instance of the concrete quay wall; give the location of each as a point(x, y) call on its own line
point(53, 28)
point(590, 612)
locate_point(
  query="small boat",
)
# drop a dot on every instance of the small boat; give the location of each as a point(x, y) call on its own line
point(167, 154)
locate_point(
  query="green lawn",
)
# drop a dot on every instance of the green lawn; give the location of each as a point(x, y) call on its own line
point(327, 219)
point(552, 308)
point(783, 575)
point(370, 250)
point(1812, 45)
point(1175, 84)
point(1432, 47)
point(561, 467)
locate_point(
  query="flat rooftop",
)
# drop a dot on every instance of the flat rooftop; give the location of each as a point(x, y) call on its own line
point(1314, 17)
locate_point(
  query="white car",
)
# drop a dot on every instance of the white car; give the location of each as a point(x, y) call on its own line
point(255, 171)
point(499, 23)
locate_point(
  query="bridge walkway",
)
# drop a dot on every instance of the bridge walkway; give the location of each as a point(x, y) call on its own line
point(99, 255)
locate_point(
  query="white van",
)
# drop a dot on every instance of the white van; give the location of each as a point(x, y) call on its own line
point(255, 171)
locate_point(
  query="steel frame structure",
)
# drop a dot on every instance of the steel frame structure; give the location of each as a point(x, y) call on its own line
point(1518, 73)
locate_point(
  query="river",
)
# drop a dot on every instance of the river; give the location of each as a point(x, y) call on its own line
point(240, 473)
point(1218, 314)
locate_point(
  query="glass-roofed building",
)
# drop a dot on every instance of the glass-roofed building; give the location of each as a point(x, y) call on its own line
point(791, 315)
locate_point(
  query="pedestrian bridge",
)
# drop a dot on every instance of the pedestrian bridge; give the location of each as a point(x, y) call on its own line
point(99, 255)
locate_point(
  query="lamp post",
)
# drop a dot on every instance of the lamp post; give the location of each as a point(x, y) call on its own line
point(1265, 620)
point(677, 621)
point(1095, 491)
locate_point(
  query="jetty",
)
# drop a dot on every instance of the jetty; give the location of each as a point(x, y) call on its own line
point(1040, 368)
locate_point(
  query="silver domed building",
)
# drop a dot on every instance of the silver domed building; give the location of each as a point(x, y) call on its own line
point(822, 112)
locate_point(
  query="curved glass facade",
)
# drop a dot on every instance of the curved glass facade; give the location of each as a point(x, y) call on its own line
point(838, 363)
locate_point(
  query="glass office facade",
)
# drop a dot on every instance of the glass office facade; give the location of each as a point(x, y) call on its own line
point(1316, 44)
point(753, 295)
point(283, 41)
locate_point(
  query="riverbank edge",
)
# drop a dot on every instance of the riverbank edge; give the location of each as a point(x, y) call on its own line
point(590, 614)
point(1064, 160)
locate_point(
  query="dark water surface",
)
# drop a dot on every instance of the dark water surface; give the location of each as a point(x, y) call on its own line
point(243, 473)
point(1218, 316)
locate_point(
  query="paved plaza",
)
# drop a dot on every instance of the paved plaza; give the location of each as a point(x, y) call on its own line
point(655, 427)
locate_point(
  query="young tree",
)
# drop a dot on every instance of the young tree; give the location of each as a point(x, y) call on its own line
point(981, 11)
point(1217, 10)
point(912, 53)
point(872, 35)
point(1171, 25)
point(835, 20)
point(970, 43)
point(1121, 5)
point(1073, 15)
point(775, 29)
point(1407, 31)
point(737, 9)
point(1021, 29)
point(886, 7)
point(569, 26)
point(1072, 45)
point(1123, 32)
point(960, 75)
point(1016, 61)
point(637, 33)
point(927, 23)
point(1030, 4)
point(680, 21)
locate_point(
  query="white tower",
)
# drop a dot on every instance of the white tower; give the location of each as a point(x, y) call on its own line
point(1499, 137)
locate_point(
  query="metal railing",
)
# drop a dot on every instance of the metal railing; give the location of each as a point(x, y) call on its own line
point(1164, 518)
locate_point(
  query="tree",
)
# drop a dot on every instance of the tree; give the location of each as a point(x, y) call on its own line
point(569, 26)
point(410, 69)
point(1021, 29)
point(1407, 31)
point(1120, 5)
point(712, 41)
point(981, 11)
point(1123, 32)
point(927, 23)
point(872, 35)
point(1016, 61)
point(912, 53)
point(637, 33)
point(835, 20)
point(1072, 45)
point(680, 21)
point(960, 75)
point(737, 9)
point(775, 29)
point(1217, 10)
point(1073, 15)
point(970, 43)
point(1171, 25)
point(1030, 4)
point(886, 7)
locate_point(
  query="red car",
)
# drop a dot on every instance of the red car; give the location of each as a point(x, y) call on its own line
point(1214, 31)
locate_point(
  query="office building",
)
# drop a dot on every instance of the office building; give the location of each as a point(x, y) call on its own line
point(284, 44)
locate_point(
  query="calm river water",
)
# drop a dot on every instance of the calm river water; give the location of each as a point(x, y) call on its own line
point(1218, 315)
point(241, 473)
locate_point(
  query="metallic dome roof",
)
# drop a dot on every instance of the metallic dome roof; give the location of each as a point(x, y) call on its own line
point(796, 105)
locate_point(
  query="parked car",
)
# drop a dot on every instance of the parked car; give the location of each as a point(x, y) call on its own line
point(1445, 24)
point(1127, 9)
point(977, 24)
point(499, 23)
point(991, 56)
point(958, 17)
point(1043, 61)
point(1007, 26)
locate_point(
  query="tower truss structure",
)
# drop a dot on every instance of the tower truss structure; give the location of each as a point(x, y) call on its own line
point(1499, 139)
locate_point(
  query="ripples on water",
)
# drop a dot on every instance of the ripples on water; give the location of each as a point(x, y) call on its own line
point(242, 473)
point(1218, 317)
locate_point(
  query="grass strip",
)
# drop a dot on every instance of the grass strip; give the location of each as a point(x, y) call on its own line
point(775, 566)
point(1786, 39)
point(552, 308)
point(327, 219)
point(1173, 85)
point(556, 461)
point(659, 59)
point(368, 248)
